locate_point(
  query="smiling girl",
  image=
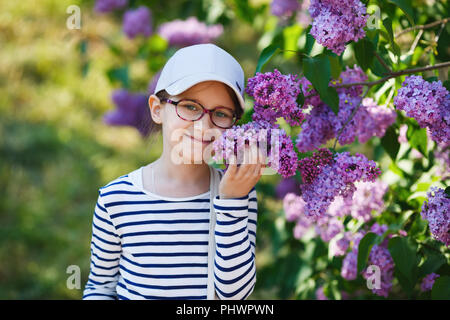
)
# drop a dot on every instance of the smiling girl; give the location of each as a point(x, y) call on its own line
point(179, 228)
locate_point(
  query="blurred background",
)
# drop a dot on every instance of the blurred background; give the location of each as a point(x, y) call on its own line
point(63, 133)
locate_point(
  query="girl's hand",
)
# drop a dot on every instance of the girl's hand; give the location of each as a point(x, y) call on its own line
point(237, 182)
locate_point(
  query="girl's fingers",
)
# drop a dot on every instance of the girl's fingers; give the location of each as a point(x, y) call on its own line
point(232, 166)
point(257, 172)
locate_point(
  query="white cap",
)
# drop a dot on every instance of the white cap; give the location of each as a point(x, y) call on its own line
point(201, 62)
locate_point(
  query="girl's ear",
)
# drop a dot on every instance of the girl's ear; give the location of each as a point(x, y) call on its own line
point(155, 108)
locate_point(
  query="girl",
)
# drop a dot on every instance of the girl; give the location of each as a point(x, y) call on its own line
point(153, 233)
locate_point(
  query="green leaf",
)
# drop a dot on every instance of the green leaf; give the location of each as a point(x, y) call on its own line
point(441, 288)
point(417, 138)
point(390, 143)
point(387, 23)
point(447, 84)
point(447, 192)
point(291, 35)
point(265, 56)
point(318, 71)
point(364, 247)
point(334, 65)
point(244, 10)
point(300, 99)
point(404, 254)
point(406, 7)
point(120, 75)
point(364, 53)
point(432, 263)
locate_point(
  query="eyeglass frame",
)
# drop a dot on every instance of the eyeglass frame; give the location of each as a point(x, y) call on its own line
point(175, 103)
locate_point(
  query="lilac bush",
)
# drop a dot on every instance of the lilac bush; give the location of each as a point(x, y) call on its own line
point(188, 32)
point(275, 96)
point(436, 210)
point(138, 21)
point(428, 103)
point(337, 22)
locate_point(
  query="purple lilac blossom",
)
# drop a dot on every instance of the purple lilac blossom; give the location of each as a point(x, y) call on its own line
point(428, 281)
point(337, 22)
point(337, 178)
point(349, 269)
point(104, 6)
point(436, 210)
point(137, 21)
point(428, 103)
point(280, 151)
point(303, 18)
point(288, 185)
point(275, 96)
point(189, 32)
point(338, 245)
point(367, 200)
point(328, 227)
point(320, 295)
point(442, 158)
point(293, 206)
point(281, 8)
point(317, 129)
point(131, 110)
point(381, 257)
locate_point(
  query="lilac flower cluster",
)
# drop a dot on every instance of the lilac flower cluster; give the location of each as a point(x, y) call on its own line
point(275, 96)
point(428, 281)
point(368, 200)
point(428, 103)
point(282, 8)
point(337, 178)
point(131, 110)
point(349, 270)
point(436, 210)
point(104, 6)
point(337, 22)
point(288, 185)
point(293, 206)
point(350, 75)
point(279, 147)
point(317, 129)
point(442, 158)
point(303, 18)
point(381, 257)
point(339, 245)
point(188, 32)
point(138, 21)
point(311, 167)
point(322, 124)
point(311, 96)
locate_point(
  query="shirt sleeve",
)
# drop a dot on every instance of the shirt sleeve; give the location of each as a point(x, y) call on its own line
point(235, 234)
point(105, 256)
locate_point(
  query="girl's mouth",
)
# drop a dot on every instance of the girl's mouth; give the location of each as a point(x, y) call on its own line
point(202, 141)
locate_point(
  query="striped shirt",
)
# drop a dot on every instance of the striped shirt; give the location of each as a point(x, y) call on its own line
point(147, 246)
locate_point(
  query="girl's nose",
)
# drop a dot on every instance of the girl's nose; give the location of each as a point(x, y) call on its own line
point(206, 121)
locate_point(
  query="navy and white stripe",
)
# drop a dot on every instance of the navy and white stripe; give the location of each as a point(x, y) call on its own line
point(145, 246)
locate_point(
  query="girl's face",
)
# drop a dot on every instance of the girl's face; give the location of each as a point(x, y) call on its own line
point(183, 138)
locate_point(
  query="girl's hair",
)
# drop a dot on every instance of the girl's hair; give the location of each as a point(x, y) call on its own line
point(155, 127)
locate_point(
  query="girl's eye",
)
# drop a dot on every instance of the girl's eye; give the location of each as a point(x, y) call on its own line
point(220, 114)
point(191, 107)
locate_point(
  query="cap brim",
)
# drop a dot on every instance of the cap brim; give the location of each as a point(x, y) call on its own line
point(185, 83)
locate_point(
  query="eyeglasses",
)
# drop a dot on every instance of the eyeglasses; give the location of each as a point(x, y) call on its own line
point(191, 110)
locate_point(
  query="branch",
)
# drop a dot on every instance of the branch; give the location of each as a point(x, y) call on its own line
point(393, 75)
point(422, 27)
point(383, 63)
point(350, 118)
